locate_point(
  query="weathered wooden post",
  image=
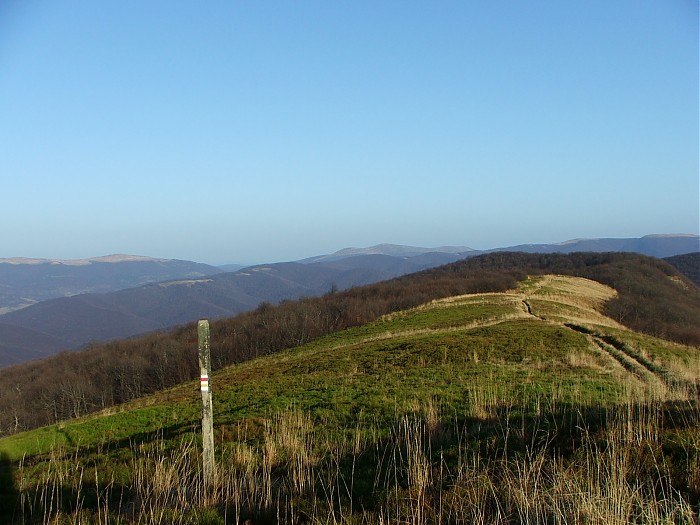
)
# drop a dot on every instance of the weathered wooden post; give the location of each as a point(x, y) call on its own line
point(207, 416)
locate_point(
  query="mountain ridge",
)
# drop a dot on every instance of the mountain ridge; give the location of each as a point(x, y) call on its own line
point(662, 245)
point(396, 250)
point(649, 300)
point(654, 245)
point(113, 258)
point(24, 282)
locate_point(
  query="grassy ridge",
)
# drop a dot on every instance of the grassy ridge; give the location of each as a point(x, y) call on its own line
point(466, 409)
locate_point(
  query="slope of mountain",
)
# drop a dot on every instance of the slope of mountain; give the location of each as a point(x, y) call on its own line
point(27, 281)
point(688, 265)
point(19, 344)
point(490, 407)
point(652, 245)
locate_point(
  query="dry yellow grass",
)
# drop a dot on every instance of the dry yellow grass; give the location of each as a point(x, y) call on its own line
point(570, 299)
point(556, 298)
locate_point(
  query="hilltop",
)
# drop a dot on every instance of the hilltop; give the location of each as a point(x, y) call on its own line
point(514, 406)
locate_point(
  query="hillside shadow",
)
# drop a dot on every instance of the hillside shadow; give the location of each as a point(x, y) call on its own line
point(8, 491)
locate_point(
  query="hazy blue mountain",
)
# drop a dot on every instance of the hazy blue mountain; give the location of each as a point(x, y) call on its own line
point(394, 250)
point(27, 281)
point(18, 344)
point(230, 267)
point(75, 321)
point(653, 245)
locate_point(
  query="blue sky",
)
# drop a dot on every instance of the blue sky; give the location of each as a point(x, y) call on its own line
point(266, 131)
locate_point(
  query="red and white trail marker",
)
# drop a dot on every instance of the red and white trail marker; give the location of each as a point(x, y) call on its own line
point(207, 416)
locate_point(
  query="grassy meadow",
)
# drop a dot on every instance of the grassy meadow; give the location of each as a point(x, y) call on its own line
point(529, 406)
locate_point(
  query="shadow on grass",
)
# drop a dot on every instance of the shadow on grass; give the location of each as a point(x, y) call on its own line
point(8, 491)
point(46, 501)
point(377, 476)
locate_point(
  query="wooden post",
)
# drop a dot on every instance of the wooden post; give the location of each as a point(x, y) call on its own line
point(207, 416)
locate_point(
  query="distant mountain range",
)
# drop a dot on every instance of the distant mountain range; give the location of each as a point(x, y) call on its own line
point(664, 245)
point(133, 295)
point(24, 282)
point(653, 245)
point(394, 250)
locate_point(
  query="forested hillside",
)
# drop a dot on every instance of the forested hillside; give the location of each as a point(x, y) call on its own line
point(688, 265)
point(652, 298)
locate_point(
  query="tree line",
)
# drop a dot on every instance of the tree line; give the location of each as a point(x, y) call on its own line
point(652, 298)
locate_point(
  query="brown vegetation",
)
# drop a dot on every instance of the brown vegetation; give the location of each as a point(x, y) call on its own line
point(688, 265)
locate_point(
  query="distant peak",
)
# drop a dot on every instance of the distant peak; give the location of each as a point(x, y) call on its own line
point(119, 257)
point(385, 249)
point(114, 258)
point(23, 260)
point(570, 241)
point(667, 235)
point(399, 249)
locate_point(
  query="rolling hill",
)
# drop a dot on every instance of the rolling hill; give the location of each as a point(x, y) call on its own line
point(519, 406)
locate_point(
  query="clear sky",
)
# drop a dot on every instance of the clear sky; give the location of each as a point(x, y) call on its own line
point(256, 131)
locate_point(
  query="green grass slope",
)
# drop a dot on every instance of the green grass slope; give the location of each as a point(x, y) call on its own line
point(519, 407)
